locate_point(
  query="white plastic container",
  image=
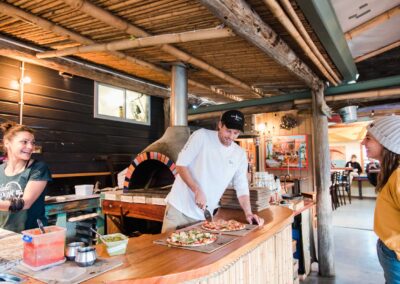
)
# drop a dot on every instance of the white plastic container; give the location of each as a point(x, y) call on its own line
point(116, 243)
point(84, 189)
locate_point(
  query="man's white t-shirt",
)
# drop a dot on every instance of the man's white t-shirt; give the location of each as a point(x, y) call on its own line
point(213, 166)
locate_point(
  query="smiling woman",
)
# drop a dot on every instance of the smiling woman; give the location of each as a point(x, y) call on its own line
point(382, 142)
point(22, 180)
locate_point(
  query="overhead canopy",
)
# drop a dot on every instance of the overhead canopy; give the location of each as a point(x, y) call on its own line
point(269, 47)
point(232, 65)
point(372, 32)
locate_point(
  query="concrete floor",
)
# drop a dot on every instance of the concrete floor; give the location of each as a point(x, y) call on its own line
point(355, 246)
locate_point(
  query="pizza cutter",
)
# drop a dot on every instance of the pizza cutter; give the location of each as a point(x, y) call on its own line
point(208, 215)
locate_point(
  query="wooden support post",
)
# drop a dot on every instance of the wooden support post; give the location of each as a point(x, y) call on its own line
point(322, 172)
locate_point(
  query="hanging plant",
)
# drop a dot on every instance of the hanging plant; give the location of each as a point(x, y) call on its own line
point(288, 122)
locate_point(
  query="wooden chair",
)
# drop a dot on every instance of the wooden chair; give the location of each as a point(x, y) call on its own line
point(334, 191)
point(343, 187)
point(347, 186)
point(338, 186)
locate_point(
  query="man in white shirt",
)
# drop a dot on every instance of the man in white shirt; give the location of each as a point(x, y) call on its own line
point(208, 162)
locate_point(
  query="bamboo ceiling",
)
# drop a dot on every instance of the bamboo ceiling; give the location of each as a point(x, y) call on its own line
point(232, 55)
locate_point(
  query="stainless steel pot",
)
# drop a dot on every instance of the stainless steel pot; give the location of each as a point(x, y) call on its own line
point(72, 249)
point(348, 113)
point(86, 256)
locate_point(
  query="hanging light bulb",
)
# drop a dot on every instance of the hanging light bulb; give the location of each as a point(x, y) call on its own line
point(27, 80)
point(372, 114)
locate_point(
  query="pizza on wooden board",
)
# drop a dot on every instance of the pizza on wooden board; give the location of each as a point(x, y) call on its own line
point(191, 238)
point(223, 226)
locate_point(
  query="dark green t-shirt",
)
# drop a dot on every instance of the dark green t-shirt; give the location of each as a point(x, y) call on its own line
point(15, 186)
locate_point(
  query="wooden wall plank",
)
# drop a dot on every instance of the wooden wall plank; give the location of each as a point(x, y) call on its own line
point(273, 128)
point(61, 112)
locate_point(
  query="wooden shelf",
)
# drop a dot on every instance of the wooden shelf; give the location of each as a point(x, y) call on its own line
point(90, 174)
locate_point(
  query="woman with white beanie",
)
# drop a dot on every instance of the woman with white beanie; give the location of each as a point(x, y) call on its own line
point(382, 142)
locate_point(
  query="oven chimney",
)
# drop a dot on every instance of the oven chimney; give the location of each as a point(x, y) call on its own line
point(155, 166)
point(178, 100)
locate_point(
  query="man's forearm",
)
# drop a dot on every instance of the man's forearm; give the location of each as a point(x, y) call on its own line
point(244, 202)
point(199, 197)
point(185, 175)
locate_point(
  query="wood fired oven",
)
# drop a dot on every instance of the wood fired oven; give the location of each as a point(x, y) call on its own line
point(155, 167)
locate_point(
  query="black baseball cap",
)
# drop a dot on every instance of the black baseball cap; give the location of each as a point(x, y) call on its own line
point(233, 119)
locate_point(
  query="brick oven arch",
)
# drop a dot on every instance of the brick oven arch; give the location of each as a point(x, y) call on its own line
point(144, 158)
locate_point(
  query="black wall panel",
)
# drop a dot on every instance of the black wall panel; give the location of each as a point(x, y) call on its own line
point(61, 112)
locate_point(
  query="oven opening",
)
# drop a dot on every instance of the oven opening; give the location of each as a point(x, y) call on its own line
point(151, 174)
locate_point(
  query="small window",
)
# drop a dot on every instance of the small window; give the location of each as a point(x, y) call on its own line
point(122, 105)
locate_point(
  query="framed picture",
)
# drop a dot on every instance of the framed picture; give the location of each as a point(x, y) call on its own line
point(284, 152)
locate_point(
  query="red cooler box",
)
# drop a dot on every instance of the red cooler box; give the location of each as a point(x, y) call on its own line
point(44, 249)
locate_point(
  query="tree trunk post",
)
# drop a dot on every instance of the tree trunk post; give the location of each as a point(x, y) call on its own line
point(323, 182)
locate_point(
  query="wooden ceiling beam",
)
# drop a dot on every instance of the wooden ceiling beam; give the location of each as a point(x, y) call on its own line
point(378, 112)
point(19, 52)
point(248, 110)
point(375, 94)
point(300, 35)
point(377, 52)
point(323, 20)
point(12, 11)
point(120, 24)
point(205, 34)
point(239, 16)
point(361, 95)
point(372, 23)
point(299, 25)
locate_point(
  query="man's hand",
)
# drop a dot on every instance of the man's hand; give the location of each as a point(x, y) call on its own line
point(244, 201)
point(200, 199)
point(254, 219)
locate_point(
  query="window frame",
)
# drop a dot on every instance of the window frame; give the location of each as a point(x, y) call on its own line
point(115, 118)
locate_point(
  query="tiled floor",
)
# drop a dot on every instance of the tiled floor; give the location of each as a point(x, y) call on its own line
point(355, 246)
point(358, 215)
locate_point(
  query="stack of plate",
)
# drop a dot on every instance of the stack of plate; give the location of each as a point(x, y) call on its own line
point(259, 199)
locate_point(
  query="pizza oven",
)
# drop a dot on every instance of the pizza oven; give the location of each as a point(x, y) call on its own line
point(154, 168)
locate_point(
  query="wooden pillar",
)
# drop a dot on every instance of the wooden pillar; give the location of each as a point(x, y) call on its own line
point(322, 172)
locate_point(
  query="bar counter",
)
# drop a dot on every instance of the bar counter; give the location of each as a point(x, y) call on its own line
point(263, 256)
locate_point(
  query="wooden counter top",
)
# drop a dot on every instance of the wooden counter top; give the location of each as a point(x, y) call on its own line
point(69, 198)
point(307, 204)
point(145, 262)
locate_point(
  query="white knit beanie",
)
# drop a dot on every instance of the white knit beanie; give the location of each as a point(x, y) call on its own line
point(387, 131)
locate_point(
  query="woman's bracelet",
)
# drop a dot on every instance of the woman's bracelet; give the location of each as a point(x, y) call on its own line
point(16, 204)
